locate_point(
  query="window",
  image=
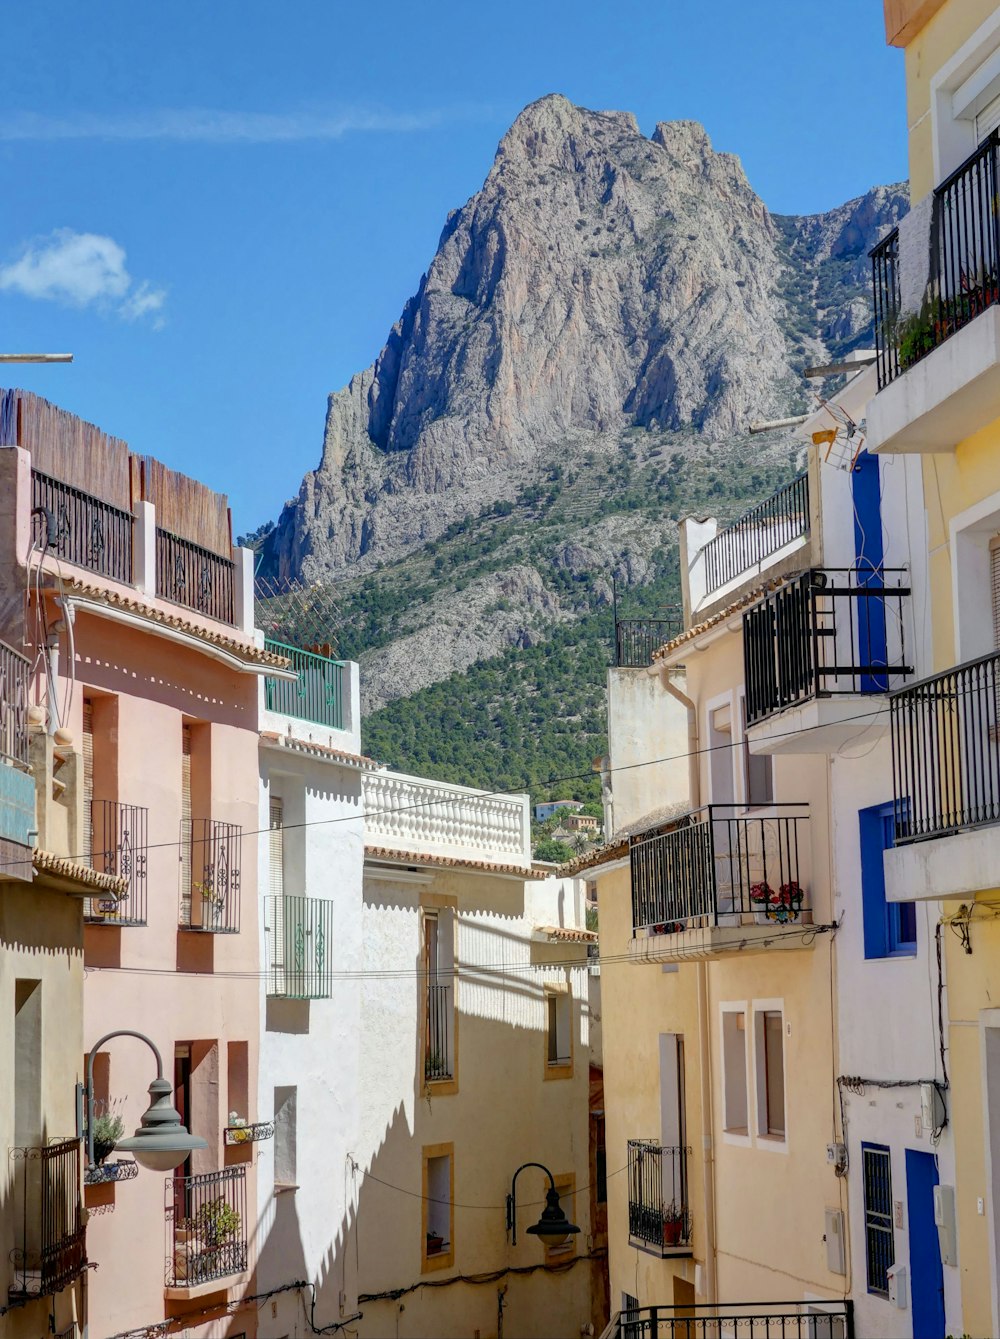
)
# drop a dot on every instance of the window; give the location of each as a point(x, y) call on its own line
point(890, 928)
point(186, 828)
point(758, 771)
point(275, 847)
point(770, 1056)
point(558, 1033)
point(734, 1071)
point(439, 1021)
point(880, 1250)
point(438, 1249)
point(285, 1102)
point(631, 1328)
point(88, 778)
point(995, 589)
point(566, 1189)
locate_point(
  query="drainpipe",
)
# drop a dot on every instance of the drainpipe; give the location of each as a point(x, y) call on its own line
point(704, 1019)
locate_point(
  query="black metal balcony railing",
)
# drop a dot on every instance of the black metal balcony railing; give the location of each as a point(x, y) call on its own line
point(827, 633)
point(234, 1135)
point(15, 676)
point(637, 638)
point(47, 1212)
point(757, 534)
point(299, 939)
point(658, 1212)
point(206, 1227)
point(118, 844)
point(747, 1320)
point(946, 751)
point(318, 696)
point(212, 901)
point(437, 1043)
point(718, 868)
point(83, 529)
point(195, 577)
point(964, 274)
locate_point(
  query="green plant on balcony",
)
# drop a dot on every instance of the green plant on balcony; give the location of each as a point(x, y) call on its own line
point(215, 1222)
point(673, 1224)
point(915, 334)
point(108, 1129)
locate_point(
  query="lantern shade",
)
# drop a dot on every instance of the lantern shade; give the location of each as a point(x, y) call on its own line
point(553, 1226)
point(161, 1142)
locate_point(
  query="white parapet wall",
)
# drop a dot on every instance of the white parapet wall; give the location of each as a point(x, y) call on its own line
point(412, 813)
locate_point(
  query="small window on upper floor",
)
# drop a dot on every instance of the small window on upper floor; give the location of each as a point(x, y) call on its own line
point(890, 928)
point(734, 1071)
point(758, 771)
point(438, 1250)
point(558, 1033)
point(770, 1058)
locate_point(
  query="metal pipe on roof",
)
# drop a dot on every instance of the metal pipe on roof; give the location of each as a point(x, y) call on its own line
point(773, 425)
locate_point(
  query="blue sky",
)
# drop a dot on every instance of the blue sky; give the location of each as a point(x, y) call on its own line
point(221, 208)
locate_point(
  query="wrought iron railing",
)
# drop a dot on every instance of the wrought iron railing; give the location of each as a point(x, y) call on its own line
point(946, 751)
point(827, 633)
point(735, 1320)
point(126, 1169)
point(234, 1135)
point(15, 677)
point(118, 844)
point(659, 1215)
point(211, 902)
point(83, 529)
point(195, 577)
point(206, 1227)
point(885, 296)
point(964, 276)
point(47, 1212)
point(637, 638)
point(317, 695)
point(717, 868)
point(437, 1043)
point(757, 534)
point(299, 947)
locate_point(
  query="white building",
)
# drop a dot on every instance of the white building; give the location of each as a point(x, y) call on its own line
point(426, 1033)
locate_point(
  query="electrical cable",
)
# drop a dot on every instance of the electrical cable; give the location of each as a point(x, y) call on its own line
point(491, 1276)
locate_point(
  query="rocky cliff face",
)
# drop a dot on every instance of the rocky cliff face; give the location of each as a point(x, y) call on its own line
point(599, 281)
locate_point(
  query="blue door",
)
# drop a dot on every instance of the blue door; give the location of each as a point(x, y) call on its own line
point(872, 649)
point(926, 1275)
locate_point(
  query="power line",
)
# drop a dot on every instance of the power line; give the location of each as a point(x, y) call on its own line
point(477, 794)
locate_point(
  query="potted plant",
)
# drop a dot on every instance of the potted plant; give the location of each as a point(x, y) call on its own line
point(435, 1243)
point(673, 1224)
point(108, 1129)
point(238, 1129)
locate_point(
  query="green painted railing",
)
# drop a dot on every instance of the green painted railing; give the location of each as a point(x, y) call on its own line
point(317, 696)
point(298, 933)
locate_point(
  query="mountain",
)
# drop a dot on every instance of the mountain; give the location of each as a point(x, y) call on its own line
point(579, 366)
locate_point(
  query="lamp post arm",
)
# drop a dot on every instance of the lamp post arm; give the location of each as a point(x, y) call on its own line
point(108, 1036)
point(512, 1197)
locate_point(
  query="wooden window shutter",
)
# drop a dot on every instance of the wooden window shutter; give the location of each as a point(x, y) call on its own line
point(995, 589)
point(88, 781)
point(987, 119)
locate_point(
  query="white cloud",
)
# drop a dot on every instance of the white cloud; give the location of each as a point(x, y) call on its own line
point(81, 269)
point(208, 126)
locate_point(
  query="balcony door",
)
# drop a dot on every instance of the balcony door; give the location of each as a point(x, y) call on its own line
point(872, 651)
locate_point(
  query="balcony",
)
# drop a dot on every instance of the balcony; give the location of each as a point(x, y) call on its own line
point(438, 1063)
point(771, 528)
point(637, 638)
point(413, 815)
point(748, 1320)
point(814, 649)
point(318, 694)
point(298, 939)
point(17, 786)
point(206, 1231)
point(718, 881)
point(946, 784)
point(659, 1219)
point(936, 284)
point(195, 577)
point(82, 529)
point(210, 877)
point(48, 1219)
point(118, 847)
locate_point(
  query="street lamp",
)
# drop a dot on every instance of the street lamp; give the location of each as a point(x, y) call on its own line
point(553, 1226)
point(161, 1142)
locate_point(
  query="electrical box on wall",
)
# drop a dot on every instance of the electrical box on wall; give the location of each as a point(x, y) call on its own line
point(836, 1254)
point(896, 1274)
point(837, 1155)
point(932, 1112)
point(944, 1218)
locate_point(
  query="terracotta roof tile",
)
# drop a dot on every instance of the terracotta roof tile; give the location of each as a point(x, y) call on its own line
point(46, 862)
point(723, 615)
point(567, 934)
point(307, 746)
point(452, 862)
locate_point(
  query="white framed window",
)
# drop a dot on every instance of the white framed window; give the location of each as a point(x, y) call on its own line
point(735, 1096)
point(975, 547)
point(965, 98)
point(438, 1246)
point(757, 768)
point(769, 1070)
point(719, 741)
point(558, 1031)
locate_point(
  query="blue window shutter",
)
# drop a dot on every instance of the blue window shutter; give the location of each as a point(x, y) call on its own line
point(872, 831)
point(869, 558)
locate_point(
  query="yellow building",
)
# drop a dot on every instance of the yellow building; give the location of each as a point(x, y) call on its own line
point(938, 326)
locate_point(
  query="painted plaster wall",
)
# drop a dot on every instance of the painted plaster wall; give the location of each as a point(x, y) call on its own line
point(648, 743)
point(505, 1111)
point(313, 1046)
point(177, 986)
point(41, 939)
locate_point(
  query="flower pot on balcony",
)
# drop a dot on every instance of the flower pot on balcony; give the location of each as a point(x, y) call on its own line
point(672, 1229)
point(435, 1243)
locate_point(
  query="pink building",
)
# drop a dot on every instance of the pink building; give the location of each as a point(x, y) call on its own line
point(139, 622)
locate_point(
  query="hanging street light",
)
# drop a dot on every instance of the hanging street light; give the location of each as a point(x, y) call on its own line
point(553, 1226)
point(162, 1141)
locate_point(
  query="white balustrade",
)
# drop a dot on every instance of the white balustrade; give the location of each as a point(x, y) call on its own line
point(411, 813)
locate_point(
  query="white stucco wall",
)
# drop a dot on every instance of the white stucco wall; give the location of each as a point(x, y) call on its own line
point(648, 741)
